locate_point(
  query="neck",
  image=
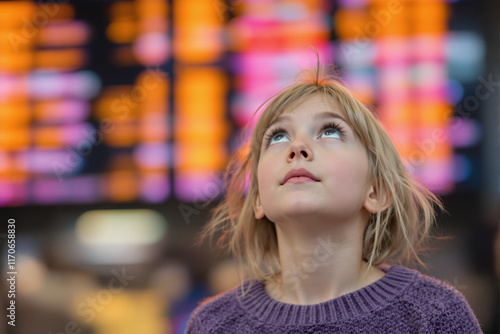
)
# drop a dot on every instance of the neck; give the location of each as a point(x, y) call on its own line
point(316, 267)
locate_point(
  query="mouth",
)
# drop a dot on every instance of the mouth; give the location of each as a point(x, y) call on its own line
point(300, 175)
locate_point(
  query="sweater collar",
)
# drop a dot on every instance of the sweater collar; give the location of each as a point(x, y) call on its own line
point(373, 296)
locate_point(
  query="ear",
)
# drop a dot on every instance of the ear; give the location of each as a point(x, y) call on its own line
point(257, 207)
point(377, 196)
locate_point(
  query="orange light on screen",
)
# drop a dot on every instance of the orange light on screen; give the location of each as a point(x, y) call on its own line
point(208, 86)
point(198, 34)
point(122, 10)
point(346, 21)
point(394, 115)
point(14, 113)
point(200, 156)
point(58, 12)
point(122, 186)
point(16, 62)
point(152, 8)
point(430, 17)
point(117, 104)
point(122, 135)
point(201, 44)
point(48, 137)
point(203, 130)
point(63, 34)
point(122, 31)
point(433, 114)
point(63, 59)
point(155, 85)
point(385, 19)
point(12, 12)
point(15, 138)
point(199, 80)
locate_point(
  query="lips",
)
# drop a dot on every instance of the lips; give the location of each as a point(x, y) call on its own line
point(299, 173)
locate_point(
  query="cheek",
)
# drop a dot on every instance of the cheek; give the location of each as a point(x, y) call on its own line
point(267, 178)
point(351, 172)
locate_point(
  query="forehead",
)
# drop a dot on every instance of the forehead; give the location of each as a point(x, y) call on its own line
point(318, 106)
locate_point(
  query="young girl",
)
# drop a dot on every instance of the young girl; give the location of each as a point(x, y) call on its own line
point(328, 204)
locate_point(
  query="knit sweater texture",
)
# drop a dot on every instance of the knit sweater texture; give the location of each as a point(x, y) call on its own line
point(403, 301)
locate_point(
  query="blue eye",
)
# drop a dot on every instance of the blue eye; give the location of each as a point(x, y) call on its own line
point(335, 133)
point(332, 130)
point(276, 133)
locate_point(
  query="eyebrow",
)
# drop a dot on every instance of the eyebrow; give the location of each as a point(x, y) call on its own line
point(317, 116)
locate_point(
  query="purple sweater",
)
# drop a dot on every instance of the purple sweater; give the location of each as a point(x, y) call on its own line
point(403, 301)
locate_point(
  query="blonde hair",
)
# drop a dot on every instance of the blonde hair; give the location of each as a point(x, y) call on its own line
point(399, 232)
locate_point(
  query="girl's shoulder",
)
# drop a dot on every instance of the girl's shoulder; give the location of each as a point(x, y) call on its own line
point(428, 288)
point(440, 303)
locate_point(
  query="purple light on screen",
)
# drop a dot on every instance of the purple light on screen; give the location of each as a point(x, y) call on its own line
point(85, 189)
point(51, 191)
point(353, 3)
point(152, 155)
point(464, 132)
point(197, 187)
point(43, 161)
point(155, 188)
point(53, 85)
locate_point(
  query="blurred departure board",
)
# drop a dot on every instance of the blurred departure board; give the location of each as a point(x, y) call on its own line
point(121, 101)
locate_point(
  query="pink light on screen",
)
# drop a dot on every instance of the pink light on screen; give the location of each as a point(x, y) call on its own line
point(63, 111)
point(75, 135)
point(437, 174)
point(152, 48)
point(64, 33)
point(394, 84)
point(393, 51)
point(152, 155)
point(13, 86)
point(428, 47)
point(155, 188)
point(14, 192)
point(196, 187)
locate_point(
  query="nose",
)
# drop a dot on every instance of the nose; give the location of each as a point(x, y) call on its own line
point(298, 149)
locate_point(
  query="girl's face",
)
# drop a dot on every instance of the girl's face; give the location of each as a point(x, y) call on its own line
point(315, 136)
